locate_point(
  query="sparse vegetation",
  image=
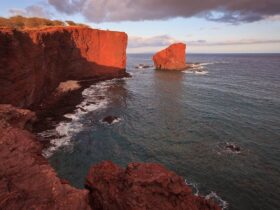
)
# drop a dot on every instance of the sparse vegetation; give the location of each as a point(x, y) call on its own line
point(20, 22)
point(72, 23)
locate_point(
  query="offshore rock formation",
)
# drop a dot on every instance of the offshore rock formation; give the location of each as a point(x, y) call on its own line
point(34, 62)
point(171, 58)
point(141, 186)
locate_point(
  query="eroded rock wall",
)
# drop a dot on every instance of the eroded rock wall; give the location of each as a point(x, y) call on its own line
point(34, 62)
point(27, 181)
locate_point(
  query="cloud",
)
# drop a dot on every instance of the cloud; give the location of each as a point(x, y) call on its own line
point(165, 40)
point(155, 41)
point(68, 6)
point(31, 11)
point(130, 10)
point(234, 42)
point(273, 18)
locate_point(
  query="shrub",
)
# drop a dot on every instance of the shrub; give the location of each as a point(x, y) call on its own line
point(20, 22)
point(71, 23)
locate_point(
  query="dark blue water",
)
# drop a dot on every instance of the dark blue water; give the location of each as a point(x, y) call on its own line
point(183, 121)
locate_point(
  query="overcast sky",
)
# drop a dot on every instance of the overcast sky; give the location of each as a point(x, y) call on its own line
point(212, 26)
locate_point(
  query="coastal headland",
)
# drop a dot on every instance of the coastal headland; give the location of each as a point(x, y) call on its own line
point(39, 69)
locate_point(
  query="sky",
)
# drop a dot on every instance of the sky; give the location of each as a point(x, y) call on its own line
point(212, 26)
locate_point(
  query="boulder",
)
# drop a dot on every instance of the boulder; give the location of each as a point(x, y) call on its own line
point(141, 186)
point(232, 147)
point(110, 119)
point(171, 58)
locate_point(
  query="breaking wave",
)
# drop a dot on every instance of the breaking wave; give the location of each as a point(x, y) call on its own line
point(197, 68)
point(228, 148)
point(94, 98)
point(211, 196)
point(117, 120)
point(201, 68)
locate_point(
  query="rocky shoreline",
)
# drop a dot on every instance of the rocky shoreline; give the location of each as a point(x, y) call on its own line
point(38, 81)
point(52, 110)
point(28, 181)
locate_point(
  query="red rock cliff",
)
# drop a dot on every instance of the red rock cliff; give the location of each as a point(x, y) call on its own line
point(34, 62)
point(27, 181)
point(171, 58)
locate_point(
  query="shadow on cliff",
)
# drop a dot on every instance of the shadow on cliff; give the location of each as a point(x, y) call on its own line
point(33, 63)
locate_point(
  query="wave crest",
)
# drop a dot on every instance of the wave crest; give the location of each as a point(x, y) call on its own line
point(211, 196)
point(94, 98)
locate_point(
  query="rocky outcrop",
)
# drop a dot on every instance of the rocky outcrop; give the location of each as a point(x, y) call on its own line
point(171, 58)
point(34, 62)
point(20, 118)
point(141, 186)
point(27, 181)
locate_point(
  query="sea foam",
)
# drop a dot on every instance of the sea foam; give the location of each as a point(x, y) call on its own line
point(198, 68)
point(212, 195)
point(94, 98)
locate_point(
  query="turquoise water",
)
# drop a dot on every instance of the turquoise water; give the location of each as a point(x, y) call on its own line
point(183, 120)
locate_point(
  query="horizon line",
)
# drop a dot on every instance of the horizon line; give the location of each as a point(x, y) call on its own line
point(212, 53)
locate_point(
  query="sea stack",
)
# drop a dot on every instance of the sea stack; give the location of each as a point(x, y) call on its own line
point(171, 58)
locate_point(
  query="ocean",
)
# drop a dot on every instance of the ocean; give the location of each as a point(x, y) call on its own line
point(190, 121)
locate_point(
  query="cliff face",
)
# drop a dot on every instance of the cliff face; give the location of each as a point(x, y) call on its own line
point(171, 58)
point(34, 62)
point(27, 181)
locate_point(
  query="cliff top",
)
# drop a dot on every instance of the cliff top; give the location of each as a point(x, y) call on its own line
point(21, 23)
point(51, 29)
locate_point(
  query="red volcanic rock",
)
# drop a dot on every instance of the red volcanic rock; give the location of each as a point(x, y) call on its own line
point(34, 62)
point(27, 181)
point(20, 118)
point(141, 186)
point(171, 58)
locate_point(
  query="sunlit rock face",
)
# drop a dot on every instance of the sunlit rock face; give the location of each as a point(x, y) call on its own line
point(171, 58)
point(33, 62)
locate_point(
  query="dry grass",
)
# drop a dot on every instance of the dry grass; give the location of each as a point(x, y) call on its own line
point(20, 22)
point(68, 86)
